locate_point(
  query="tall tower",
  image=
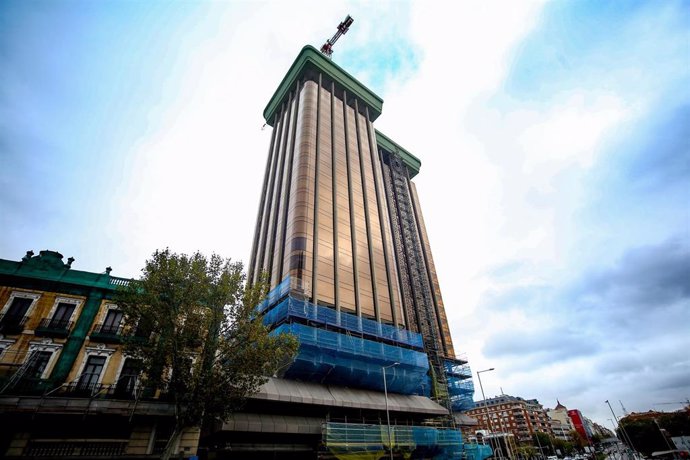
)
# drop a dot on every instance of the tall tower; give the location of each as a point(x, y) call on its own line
point(341, 239)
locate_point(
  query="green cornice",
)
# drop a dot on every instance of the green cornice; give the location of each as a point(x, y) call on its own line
point(48, 267)
point(412, 162)
point(311, 59)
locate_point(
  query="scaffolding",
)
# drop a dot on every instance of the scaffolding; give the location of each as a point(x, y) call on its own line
point(369, 441)
point(409, 246)
point(332, 357)
point(290, 309)
point(460, 386)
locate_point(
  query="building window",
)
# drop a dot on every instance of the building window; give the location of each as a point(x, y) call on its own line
point(112, 321)
point(37, 363)
point(15, 312)
point(38, 360)
point(127, 382)
point(91, 373)
point(62, 315)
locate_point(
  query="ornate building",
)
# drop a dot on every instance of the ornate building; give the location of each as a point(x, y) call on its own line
point(66, 388)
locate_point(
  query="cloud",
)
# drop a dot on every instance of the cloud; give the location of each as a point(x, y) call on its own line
point(647, 277)
point(540, 347)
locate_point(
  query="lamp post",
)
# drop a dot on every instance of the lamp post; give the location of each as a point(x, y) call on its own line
point(486, 405)
point(388, 416)
point(624, 434)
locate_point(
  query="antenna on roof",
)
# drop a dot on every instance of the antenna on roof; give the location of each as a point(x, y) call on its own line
point(343, 27)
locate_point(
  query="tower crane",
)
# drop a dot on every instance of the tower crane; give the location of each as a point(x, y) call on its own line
point(343, 27)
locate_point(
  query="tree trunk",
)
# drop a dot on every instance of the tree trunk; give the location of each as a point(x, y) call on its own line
point(172, 442)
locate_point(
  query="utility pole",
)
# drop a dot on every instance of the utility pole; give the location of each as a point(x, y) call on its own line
point(624, 434)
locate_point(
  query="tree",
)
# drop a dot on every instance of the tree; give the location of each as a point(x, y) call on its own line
point(544, 443)
point(196, 336)
point(577, 439)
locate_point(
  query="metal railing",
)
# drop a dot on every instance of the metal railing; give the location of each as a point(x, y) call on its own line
point(50, 448)
point(87, 390)
point(54, 326)
point(107, 333)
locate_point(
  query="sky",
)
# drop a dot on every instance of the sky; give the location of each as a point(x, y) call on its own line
point(554, 140)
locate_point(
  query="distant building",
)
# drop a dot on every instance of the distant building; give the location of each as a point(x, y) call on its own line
point(511, 414)
point(561, 424)
point(581, 426)
point(599, 430)
point(66, 388)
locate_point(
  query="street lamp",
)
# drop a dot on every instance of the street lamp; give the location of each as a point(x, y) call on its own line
point(624, 434)
point(486, 405)
point(388, 416)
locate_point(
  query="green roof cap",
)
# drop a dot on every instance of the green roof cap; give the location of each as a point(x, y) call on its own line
point(412, 162)
point(312, 59)
point(49, 267)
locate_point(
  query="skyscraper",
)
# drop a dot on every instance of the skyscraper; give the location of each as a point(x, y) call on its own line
point(340, 232)
point(339, 214)
point(341, 240)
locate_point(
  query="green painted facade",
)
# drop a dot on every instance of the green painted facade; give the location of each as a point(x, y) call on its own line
point(47, 272)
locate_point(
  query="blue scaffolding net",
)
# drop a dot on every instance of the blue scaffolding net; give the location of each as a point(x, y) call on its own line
point(460, 386)
point(365, 441)
point(332, 357)
point(343, 348)
point(291, 308)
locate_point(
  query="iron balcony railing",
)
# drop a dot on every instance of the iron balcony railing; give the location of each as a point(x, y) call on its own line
point(57, 448)
point(12, 324)
point(109, 333)
point(124, 390)
point(52, 326)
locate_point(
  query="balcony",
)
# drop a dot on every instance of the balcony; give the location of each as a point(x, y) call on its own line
point(106, 333)
point(97, 390)
point(12, 324)
point(76, 448)
point(51, 327)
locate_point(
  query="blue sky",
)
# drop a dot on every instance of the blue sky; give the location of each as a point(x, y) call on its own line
point(553, 137)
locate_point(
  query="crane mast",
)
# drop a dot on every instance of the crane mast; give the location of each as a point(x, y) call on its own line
point(343, 27)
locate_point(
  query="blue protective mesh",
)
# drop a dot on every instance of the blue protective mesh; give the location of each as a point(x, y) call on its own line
point(460, 386)
point(477, 451)
point(331, 357)
point(274, 295)
point(410, 441)
point(318, 315)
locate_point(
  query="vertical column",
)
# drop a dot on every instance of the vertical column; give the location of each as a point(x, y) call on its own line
point(381, 205)
point(260, 215)
point(267, 217)
point(351, 206)
point(346, 280)
point(274, 196)
point(325, 272)
point(367, 217)
point(299, 239)
point(315, 241)
point(278, 200)
point(288, 191)
point(334, 202)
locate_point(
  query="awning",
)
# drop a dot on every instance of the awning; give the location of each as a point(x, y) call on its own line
point(268, 423)
point(331, 395)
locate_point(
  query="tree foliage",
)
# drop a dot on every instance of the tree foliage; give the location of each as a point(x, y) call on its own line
point(195, 336)
point(650, 434)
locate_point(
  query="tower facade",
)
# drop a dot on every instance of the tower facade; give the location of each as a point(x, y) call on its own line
point(341, 240)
